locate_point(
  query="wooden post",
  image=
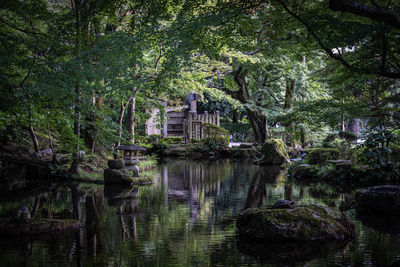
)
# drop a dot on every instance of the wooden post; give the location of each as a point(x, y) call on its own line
point(190, 125)
point(217, 113)
point(185, 138)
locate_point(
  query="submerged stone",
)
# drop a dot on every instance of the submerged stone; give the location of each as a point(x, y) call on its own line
point(36, 226)
point(283, 204)
point(379, 199)
point(282, 253)
point(300, 223)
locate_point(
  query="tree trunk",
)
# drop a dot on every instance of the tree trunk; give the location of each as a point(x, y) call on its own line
point(34, 139)
point(289, 99)
point(289, 95)
point(258, 123)
point(257, 119)
point(77, 123)
point(235, 115)
point(354, 126)
point(121, 119)
point(130, 123)
point(52, 146)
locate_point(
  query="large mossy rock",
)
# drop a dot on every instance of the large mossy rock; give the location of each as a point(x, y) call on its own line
point(118, 176)
point(14, 227)
point(300, 223)
point(125, 177)
point(383, 199)
point(273, 152)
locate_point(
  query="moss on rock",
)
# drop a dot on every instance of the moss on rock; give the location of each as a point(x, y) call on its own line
point(273, 152)
point(125, 176)
point(296, 224)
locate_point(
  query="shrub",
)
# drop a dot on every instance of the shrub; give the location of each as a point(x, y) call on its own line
point(154, 138)
point(159, 147)
point(321, 155)
point(173, 140)
point(212, 130)
point(238, 131)
point(329, 139)
point(210, 144)
point(348, 136)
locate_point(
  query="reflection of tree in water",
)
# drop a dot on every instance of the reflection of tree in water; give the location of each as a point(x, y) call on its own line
point(265, 179)
point(127, 202)
point(191, 181)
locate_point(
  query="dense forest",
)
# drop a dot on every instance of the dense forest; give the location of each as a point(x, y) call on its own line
point(79, 74)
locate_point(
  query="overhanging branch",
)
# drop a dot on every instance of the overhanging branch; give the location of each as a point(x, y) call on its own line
point(376, 13)
point(339, 57)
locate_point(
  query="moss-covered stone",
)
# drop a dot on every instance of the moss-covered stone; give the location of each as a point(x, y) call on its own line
point(296, 224)
point(125, 176)
point(273, 152)
point(14, 227)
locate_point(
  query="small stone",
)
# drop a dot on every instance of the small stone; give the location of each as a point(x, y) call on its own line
point(282, 204)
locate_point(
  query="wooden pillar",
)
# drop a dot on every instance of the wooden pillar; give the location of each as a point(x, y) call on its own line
point(165, 124)
point(190, 122)
point(185, 138)
point(217, 113)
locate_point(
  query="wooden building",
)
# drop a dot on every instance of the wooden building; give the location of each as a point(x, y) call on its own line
point(181, 121)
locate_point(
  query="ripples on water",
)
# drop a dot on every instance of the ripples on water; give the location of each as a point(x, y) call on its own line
point(186, 218)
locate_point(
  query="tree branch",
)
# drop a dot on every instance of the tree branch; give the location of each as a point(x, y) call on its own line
point(376, 13)
point(338, 57)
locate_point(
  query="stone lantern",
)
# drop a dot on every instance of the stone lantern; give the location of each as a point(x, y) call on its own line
point(130, 156)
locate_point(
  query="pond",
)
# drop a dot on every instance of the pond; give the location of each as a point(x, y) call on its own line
point(186, 218)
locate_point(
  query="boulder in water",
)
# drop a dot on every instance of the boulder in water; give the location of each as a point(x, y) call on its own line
point(117, 176)
point(35, 226)
point(383, 199)
point(273, 152)
point(301, 223)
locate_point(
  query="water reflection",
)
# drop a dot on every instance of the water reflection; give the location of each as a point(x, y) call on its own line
point(185, 218)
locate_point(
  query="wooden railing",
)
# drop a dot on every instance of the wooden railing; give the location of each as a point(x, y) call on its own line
point(194, 122)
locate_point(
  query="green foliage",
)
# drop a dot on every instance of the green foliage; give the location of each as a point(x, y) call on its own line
point(154, 144)
point(210, 145)
point(212, 130)
point(348, 136)
point(321, 155)
point(173, 140)
point(238, 131)
point(213, 144)
point(377, 152)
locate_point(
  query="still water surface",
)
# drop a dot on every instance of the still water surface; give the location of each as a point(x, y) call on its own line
point(186, 218)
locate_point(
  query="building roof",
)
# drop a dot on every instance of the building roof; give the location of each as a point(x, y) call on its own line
point(130, 148)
